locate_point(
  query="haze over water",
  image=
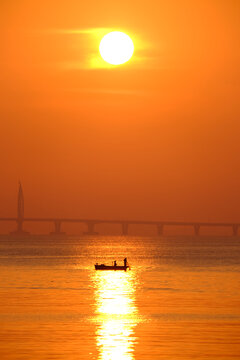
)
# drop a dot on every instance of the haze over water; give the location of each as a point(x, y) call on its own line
point(180, 300)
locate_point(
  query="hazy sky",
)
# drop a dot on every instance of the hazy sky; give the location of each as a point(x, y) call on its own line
point(156, 138)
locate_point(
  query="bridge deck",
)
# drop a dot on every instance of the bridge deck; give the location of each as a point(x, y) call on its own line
point(129, 222)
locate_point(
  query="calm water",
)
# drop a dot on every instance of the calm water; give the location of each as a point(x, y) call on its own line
point(180, 300)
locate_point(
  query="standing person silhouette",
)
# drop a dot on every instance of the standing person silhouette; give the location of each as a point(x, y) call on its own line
point(125, 262)
point(115, 263)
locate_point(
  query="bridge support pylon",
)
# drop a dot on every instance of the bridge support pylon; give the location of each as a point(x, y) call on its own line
point(196, 229)
point(160, 229)
point(235, 230)
point(90, 226)
point(57, 231)
point(124, 229)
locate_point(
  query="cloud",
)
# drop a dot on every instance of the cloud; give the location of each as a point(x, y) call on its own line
point(106, 91)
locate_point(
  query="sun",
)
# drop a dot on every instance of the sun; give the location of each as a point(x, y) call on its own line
point(116, 48)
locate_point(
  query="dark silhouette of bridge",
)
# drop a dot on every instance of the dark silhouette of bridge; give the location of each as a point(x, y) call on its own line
point(90, 223)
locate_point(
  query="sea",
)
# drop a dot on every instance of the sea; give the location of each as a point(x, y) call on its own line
point(179, 301)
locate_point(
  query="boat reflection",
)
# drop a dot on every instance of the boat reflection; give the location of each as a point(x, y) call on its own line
point(116, 312)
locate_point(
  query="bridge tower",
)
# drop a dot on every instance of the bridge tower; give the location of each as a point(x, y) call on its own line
point(20, 213)
point(20, 209)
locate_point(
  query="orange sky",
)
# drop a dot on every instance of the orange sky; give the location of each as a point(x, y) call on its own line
point(156, 138)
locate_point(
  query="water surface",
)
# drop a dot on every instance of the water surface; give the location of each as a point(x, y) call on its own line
point(180, 300)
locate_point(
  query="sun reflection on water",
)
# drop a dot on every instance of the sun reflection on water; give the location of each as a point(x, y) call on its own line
point(116, 312)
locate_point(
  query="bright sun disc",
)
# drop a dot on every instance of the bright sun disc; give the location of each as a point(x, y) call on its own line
point(116, 48)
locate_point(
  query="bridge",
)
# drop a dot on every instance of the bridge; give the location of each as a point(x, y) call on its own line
point(91, 223)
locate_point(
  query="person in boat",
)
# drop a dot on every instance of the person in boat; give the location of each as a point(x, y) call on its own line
point(125, 262)
point(115, 263)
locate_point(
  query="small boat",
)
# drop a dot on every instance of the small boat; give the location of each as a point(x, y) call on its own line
point(110, 267)
point(113, 267)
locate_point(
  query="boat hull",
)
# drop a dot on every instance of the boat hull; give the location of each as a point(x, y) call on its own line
point(108, 267)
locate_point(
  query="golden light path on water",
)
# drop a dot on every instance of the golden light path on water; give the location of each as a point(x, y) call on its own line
point(117, 314)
